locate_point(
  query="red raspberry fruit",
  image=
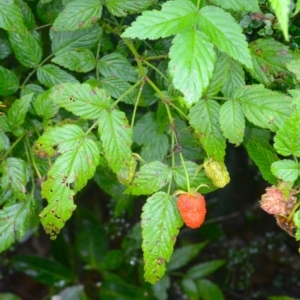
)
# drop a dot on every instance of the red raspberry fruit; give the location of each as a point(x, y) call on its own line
point(192, 209)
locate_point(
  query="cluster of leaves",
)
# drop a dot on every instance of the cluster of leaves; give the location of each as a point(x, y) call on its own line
point(87, 95)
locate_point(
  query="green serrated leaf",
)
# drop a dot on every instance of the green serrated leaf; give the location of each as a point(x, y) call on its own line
point(116, 136)
point(225, 33)
point(287, 141)
point(28, 16)
point(173, 17)
point(4, 141)
point(297, 8)
point(160, 288)
point(121, 8)
point(145, 129)
point(82, 100)
point(116, 87)
point(60, 207)
point(14, 220)
point(239, 5)
point(183, 255)
point(150, 178)
point(78, 15)
point(209, 290)
point(204, 269)
point(220, 74)
point(5, 48)
point(79, 60)
point(204, 118)
point(17, 113)
point(235, 78)
point(232, 121)
point(270, 60)
point(10, 17)
point(282, 11)
point(160, 226)
point(286, 170)
point(9, 82)
point(32, 88)
point(294, 67)
point(263, 107)
point(50, 75)
point(263, 156)
point(71, 40)
point(115, 64)
point(44, 105)
point(197, 177)
point(156, 149)
point(191, 64)
point(4, 123)
point(48, 11)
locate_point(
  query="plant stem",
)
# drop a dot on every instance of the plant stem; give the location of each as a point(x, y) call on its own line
point(178, 110)
point(154, 57)
point(136, 104)
point(154, 68)
point(13, 145)
point(97, 58)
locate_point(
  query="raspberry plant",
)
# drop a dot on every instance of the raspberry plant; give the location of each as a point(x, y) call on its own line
point(138, 95)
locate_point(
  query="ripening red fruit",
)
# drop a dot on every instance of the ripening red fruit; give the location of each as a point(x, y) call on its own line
point(192, 209)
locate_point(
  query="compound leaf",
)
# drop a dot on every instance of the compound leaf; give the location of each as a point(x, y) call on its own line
point(150, 178)
point(287, 139)
point(82, 100)
point(204, 118)
point(78, 15)
point(225, 33)
point(14, 220)
point(50, 75)
point(286, 170)
point(232, 121)
point(263, 107)
point(191, 65)
point(173, 17)
point(160, 226)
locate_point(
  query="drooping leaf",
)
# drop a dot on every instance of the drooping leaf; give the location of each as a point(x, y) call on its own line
point(235, 78)
point(71, 40)
point(82, 100)
point(26, 48)
point(121, 8)
point(287, 139)
point(204, 118)
point(10, 17)
point(270, 60)
point(282, 10)
point(17, 113)
point(160, 226)
point(197, 177)
point(183, 255)
point(78, 15)
point(173, 17)
point(50, 75)
point(150, 178)
point(116, 87)
point(116, 136)
point(286, 170)
point(191, 64)
point(60, 205)
point(232, 121)
point(44, 105)
point(46, 271)
point(117, 65)
point(225, 33)
point(14, 220)
point(263, 156)
point(220, 74)
point(79, 60)
point(15, 175)
point(263, 107)
point(9, 83)
point(238, 5)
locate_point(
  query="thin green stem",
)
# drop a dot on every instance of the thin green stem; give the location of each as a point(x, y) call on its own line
point(198, 4)
point(136, 104)
point(91, 128)
point(179, 110)
point(32, 158)
point(153, 85)
point(154, 68)
point(43, 26)
point(293, 211)
point(13, 145)
point(97, 58)
point(156, 57)
point(133, 87)
point(35, 69)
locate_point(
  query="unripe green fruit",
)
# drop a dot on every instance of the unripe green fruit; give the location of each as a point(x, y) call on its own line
point(216, 171)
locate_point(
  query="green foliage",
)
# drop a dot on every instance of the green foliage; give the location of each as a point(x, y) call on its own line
point(137, 95)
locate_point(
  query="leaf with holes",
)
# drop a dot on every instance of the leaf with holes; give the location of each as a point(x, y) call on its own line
point(191, 65)
point(160, 226)
point(173, 17)
point(150, 178)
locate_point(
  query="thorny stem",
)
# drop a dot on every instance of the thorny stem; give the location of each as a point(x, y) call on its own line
point(136, 104)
